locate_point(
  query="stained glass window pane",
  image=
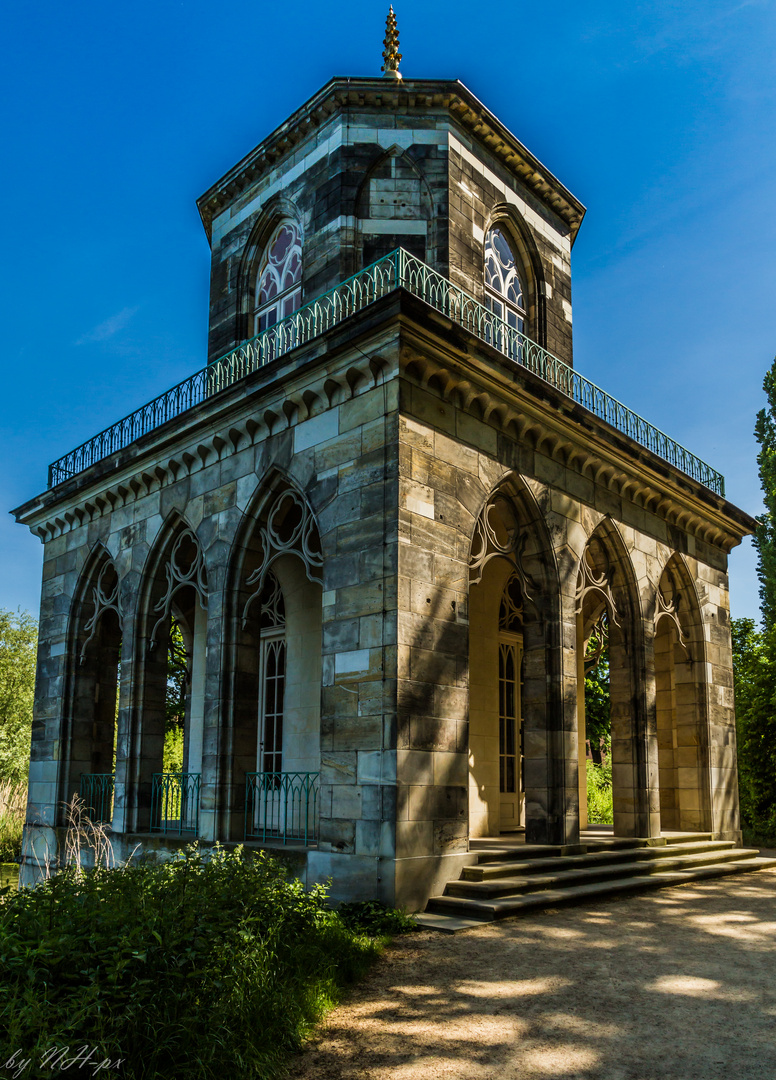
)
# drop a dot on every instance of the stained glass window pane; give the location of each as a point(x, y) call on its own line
point(278, 291)
point(501, 274)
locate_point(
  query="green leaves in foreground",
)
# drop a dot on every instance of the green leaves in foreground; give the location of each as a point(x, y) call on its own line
point(195, 967)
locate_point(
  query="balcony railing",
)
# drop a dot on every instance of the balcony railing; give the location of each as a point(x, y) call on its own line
point(281, 807)
point(397, 270)
point(96, 790)
point(175, 803)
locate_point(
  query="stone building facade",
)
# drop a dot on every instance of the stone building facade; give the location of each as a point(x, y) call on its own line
point(387, 519)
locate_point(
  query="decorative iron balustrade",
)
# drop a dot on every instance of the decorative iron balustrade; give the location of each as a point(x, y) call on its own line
point(281, 806)
point(97, 790)
point(175, 803)
point(397, 270)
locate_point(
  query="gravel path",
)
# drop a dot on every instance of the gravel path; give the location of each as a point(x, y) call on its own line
point(678, 984)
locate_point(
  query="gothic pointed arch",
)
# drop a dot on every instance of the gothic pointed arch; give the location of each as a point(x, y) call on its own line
point(609, 609)
point(91, 692)
point(506, 219)
point(175, 565)
point(276, 212)
point(272, 675)
point(681, 695)
point(171, 623)
point(515, 659)
point(394, 208)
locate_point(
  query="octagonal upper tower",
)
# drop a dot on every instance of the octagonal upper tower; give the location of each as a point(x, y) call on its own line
point(368, 165)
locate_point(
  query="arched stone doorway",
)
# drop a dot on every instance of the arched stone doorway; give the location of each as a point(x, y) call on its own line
point(271, 739)
point(608, 605)
point(682, 723)
point(174, 599)
point(518, 774)
point(92, 693)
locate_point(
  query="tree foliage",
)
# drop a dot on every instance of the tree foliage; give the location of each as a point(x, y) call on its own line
point(754, 673)
point(598, 708)
point(175, 700)
point(754, 652)
point(18, 651)
point(765, 537)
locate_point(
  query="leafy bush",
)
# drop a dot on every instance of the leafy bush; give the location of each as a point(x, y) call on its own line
point(600, 809)
point(374, 918)
point(196, 967)
point(13, 803)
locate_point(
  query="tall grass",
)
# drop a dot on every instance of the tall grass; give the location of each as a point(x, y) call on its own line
point(196, 967)
point(600, 809)
point(13, 804)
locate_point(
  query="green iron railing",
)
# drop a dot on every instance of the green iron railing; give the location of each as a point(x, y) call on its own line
point(281, 806)
point(397, 270)
point(175, 803)
point(97, 790)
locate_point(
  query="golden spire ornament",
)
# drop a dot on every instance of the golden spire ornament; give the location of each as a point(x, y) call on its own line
point(391, 54)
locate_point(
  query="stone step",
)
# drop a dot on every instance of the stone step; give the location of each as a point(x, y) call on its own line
point(524, 883)
point(504, 907)
point(682, 838)
point(485, 871)
point(529, 851)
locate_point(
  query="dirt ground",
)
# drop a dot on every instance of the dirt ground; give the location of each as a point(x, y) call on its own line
point(678, 984)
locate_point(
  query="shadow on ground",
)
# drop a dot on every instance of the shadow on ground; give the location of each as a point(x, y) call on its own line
point(678, 984)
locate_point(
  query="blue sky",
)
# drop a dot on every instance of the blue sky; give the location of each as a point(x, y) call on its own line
point(659, 116)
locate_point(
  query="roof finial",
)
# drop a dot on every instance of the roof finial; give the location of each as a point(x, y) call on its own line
point(391, 54)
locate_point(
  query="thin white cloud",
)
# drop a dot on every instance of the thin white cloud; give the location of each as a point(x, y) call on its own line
point(109, 327)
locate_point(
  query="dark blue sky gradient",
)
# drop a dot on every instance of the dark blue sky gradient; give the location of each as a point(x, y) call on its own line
point(659, 116)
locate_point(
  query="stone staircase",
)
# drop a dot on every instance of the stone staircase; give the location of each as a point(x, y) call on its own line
point(513, 879)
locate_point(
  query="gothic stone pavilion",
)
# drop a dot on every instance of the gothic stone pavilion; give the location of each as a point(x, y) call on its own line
point(387, 517)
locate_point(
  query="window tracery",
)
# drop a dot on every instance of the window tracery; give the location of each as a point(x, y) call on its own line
point(279, 278)
point(503, 287)
point(186, 566)
point(106, 598)
point(289, 528)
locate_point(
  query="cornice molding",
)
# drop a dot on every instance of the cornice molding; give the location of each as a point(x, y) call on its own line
point(404, 98)
point(240, 418)
point(432, 353)
point(530, 412)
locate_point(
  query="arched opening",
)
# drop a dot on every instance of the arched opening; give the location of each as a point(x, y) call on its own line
point(513, 277)
point(394, 209)
point(274, 699)
point(277, 291)
point(515, 783)
point(95, 659)
point(270, 275)
point(682, 733)
point(169, 742)
point(608, 606)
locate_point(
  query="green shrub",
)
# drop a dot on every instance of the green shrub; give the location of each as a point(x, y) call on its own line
point(197, 967)
point(374, 918)
point(600, 810)
point(13, 804)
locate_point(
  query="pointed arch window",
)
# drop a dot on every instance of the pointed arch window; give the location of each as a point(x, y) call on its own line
point(272, 676)
point(504, 294)
point(510, 680)
point(278, 291)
